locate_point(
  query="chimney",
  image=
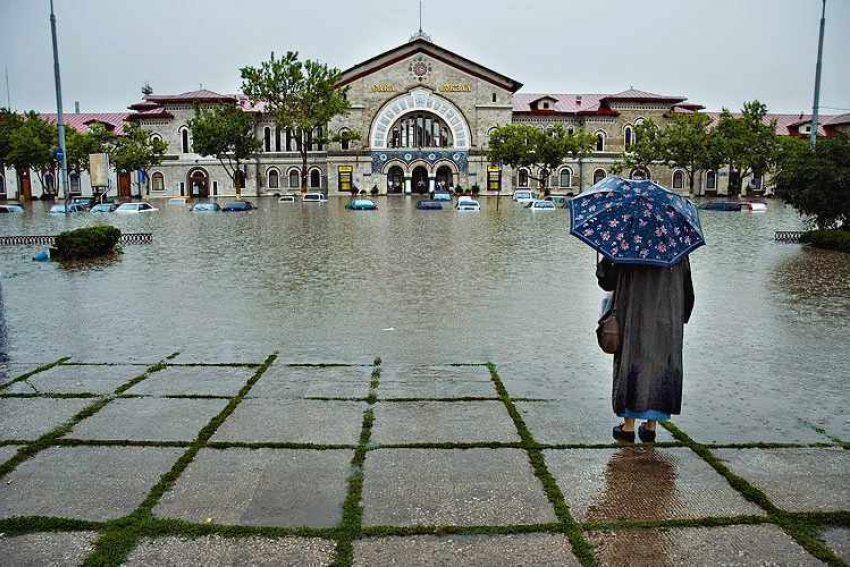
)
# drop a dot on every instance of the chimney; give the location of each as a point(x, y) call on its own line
point(76, 107)
point(578, 100)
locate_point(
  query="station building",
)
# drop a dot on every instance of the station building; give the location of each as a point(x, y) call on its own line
point(424, 114)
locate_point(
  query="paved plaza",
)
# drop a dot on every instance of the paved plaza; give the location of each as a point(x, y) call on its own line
point(268, 462)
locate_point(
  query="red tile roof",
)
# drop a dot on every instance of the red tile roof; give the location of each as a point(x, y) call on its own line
point(191, 96)
point(569, 103)
point(784, 122)
point(81, 121)
point(644, 96)
point(840, 119)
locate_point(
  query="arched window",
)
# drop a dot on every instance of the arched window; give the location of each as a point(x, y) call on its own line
point(420, 130)
point(571, 131)
point(678, 179)
point(639, 173)
point(2, 185)
point(600, 141)
point(184, 140)
point(315, 179)
point(157, 182)
point(598, 176)
point(628, 137)
point(344, 143)
point(156, 138)
point(274, 179)
point(74, 180)
point(711, 180)
point(523, 178)
point(267, 139)
point(566, 177)
point(49, 183)
point(294, 178)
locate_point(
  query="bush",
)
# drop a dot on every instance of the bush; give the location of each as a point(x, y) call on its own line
point(476, 189)
point(87, 242)
point(828, 239)
point(374, 190)
point(459, 190)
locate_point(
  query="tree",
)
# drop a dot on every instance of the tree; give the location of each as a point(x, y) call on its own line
point(816, 181)
point(226, 133)
point(301, 97)
point(746, 143)
point(136, 151)
point(541, 151)
point(31, 146)
point(647, 148)
point(688, 145)
point(9, 122)
point(80, 145)
point(584, 144)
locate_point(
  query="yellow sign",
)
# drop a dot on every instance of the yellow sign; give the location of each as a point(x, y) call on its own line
point(455, 88)
point(345, 169)
point(383, 88)
point(493, 168)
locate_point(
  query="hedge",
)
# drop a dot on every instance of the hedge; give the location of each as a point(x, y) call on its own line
point(828, 239)
point(87, 242)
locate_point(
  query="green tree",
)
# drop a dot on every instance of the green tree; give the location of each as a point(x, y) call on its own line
point(9, 122)
point(747, 143)
point(136, 151)
point(648, 147)
point(541, 151)
point(80, 145)
point(688, 145)
point(816, 181)
point(226, 133)
point(31, 146)
point(301, 97)
point(584, 143)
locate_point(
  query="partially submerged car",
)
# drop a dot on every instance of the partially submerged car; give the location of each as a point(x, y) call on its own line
point(14, 208)
point(541, 205)
point(104, 208)
point(470, 205)
point(523, 196)
point(206, 208)
point(135, 208)
point(442, 196)
point(60, 209)
point(429, 205)
point(361, 205)
point(314, 198)
point(286, 198)
point(238, 206)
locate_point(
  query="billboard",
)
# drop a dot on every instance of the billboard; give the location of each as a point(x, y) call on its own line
point(99, 170)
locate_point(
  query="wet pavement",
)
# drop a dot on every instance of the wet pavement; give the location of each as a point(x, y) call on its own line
point(379, 481)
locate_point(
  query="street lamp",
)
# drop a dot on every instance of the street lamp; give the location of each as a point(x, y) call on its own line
point(61, 154)
point(813, 137)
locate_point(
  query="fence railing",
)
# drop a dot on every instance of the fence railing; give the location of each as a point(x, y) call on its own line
point(788, 235)
point(44, 240)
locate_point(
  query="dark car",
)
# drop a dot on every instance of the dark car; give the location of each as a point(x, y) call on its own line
point(238, 206)
point(428, 205)
point(721, 206)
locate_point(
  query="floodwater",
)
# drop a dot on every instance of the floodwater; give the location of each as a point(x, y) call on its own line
point(767, 345)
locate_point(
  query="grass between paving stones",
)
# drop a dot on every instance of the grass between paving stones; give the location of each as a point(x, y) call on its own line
point(52, 437)
point(795, 525)
point(582, 549)
point(118, 540)
point(406, 531)
point(351, 524)
point(34, 371)
point(55, 396)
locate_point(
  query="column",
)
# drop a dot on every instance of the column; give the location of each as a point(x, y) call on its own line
point(432, 184)
point(408, 185)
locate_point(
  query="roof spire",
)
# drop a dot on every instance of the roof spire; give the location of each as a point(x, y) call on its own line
point(420, 34)
point(420, 16)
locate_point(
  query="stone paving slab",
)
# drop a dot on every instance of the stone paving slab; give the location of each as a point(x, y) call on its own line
point(642, 483)
point(63, 549)
point(797, 480)
point(738, 546)
point(232, 552)
point(294, 382)
point(28, 419)
point(838, 539)
point(194, 381)
point(442, 422)
point(294, 421)
point(75, 379)
point(261, 487)
point(11, 370)
point(556, 381)
point(436, 389)
point(409, 487)
point(7, 452)
point(565, 422)
point(149, 419)
point(427, 373)
point(725, 428)
point(85, 483)
point(528, 550)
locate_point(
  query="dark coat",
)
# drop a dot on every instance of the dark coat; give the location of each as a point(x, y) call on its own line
point(652, 306)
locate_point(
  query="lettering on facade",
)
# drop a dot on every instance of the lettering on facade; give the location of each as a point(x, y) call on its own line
point(455, 88)
point(383, 88)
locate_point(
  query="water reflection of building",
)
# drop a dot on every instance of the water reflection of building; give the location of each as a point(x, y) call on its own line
point(424, 114)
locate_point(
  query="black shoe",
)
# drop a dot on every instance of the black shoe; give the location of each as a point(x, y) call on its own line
point(625, 436)
point(646, 435)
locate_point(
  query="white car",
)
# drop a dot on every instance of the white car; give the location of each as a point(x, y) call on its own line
point(136, 208)
point(468, 205)
point(523, 196)
point(286, 198)
point(541, 205)
point(314, 198)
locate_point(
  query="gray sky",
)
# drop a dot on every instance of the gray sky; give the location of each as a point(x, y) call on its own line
point(715, 52)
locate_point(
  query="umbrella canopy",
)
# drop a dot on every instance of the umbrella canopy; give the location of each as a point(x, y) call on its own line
point(636, 222)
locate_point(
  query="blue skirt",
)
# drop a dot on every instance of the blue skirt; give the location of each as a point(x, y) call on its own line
point(652, 415)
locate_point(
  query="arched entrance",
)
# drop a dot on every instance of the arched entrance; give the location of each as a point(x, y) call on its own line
point(395, 180)
point(420, 180)
point(199, 185)
point(445, 177)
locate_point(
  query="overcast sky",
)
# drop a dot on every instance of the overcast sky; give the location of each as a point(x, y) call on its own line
point(716, 52)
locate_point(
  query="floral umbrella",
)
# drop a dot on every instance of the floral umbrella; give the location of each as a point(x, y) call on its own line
point(636, 222)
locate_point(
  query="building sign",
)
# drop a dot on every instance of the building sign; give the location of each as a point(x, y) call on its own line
point(345, 178)
point(494, 178)
point(99, 170)
point(383, 88)
point(455, 88)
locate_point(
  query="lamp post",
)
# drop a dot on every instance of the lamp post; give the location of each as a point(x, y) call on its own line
point(813, 137)
point(61, 154)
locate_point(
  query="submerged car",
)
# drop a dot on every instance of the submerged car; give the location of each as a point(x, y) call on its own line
point(541, 205)
point(470, 205)
point(72, 208)
point(135, 208)
point(314, 198)
point(559, 200)
point(104, 208)
point(442, 196)
point(523, 196)
point(206, 208)
point(721, 206)
point(361, 205)
point(84, 201)
point(429, 205)
point(11, 208)
point(238, 206)
point(286, 198)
